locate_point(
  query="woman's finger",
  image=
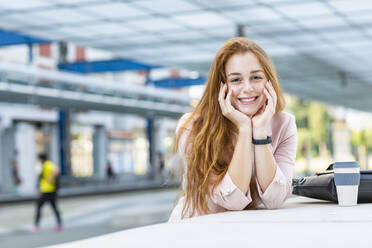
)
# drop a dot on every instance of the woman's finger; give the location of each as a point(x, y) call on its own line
point(262, 109)
point(270, 102)
point(272, 93)
point(228, 104)
point(221, 98)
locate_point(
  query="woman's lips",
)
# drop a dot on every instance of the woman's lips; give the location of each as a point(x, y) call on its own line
point(248, 100)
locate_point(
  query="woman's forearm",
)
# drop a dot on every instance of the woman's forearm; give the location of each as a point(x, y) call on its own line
point(240, 168)
point(265, 165)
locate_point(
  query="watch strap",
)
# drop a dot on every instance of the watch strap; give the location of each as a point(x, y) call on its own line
point(262, 141)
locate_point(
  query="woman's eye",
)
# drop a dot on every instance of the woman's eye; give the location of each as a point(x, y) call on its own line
point(256, 78)
point(235, 80)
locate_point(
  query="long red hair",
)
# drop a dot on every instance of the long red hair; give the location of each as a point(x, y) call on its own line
point(211, 141)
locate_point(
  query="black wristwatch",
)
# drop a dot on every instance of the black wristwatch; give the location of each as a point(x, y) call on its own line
point(262, 141)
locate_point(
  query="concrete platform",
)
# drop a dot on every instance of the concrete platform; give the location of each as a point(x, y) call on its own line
point(84, 217)
point(302, 222)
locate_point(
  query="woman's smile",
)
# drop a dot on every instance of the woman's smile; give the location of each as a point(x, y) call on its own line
point(248, 100)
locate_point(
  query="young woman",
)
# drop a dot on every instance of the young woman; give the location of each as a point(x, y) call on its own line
point(238, 147)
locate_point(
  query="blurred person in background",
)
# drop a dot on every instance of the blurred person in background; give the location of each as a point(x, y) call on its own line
point(48, 187)
point(238, 145)
point(14, 167)
point(161, 165)
point(110, 172)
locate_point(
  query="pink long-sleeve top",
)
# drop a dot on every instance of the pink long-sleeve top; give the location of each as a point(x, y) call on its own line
point(227, 196)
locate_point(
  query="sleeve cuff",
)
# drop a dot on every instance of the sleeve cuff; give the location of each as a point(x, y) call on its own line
point(277, 192)
point(229, 196)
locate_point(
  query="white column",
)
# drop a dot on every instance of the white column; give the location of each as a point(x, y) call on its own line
point(6, 153)
point(26, 147)
point(100, 151)
point(2, 165)
point(54, 145)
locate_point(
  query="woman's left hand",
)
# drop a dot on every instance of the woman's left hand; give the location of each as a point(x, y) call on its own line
point(262, 118)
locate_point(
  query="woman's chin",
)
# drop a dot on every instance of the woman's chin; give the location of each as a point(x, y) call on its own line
point(249, 113)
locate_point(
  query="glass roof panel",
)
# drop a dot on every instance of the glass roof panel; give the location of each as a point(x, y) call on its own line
point(361, 18)
point(70, 1)
point(186, 34)
point(342, 34)
point(167, 7)
point(77, 32)
point(322, 22)
point(275, 28)
point(301, 40)
point(202, 19)
point(47, 34)
point(26, 20)
point(223, 3)
point(10, 23)
point(113, 10)
point(221, 31)
point(154, 24)
point(192, 57)
point(304, 9)
point(64, 15)
point(136, 38)
point(23, 4)
point(107, 28)
point(210, 46)
point(359, 43)
point(273, 51)
point(349, 6)
point(369, 31)
point(254, 14)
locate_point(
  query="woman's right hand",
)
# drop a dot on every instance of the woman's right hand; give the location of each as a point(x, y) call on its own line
point(241, 121)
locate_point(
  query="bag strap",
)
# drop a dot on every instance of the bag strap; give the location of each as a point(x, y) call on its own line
point(330, 167)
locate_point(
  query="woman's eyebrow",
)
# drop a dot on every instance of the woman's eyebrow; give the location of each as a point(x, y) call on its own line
point(255, 71)
point(234, 73)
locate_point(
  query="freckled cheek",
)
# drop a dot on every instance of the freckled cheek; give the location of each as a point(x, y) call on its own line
point(234, 90)
point(260, 89)
point(234, 93)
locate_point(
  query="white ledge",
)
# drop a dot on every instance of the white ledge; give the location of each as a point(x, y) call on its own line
point(301, 223)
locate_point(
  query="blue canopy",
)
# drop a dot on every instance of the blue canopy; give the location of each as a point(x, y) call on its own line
point(8, 38)
point(105, 66)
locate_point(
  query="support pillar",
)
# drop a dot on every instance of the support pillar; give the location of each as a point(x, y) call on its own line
point(64, 141)
point(150, 138)
point(100, 151)
point(25, 144)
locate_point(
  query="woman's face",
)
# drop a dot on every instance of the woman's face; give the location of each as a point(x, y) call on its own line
point(246, 79)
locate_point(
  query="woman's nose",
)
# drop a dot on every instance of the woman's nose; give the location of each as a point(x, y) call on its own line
point(247, 85)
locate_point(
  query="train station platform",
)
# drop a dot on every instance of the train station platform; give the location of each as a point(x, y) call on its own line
point(302, 222)
point(79, 188)
point(84, 216)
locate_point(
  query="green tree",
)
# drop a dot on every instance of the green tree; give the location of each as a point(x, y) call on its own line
point(318, 126)
point(312, 120)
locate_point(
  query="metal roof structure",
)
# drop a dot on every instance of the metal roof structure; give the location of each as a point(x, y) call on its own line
point(24, 84)
point(321, 49)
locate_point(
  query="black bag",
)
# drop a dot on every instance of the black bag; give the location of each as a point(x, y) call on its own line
point(322, 186)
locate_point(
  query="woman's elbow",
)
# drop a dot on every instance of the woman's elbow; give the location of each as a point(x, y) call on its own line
point(278, 202)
